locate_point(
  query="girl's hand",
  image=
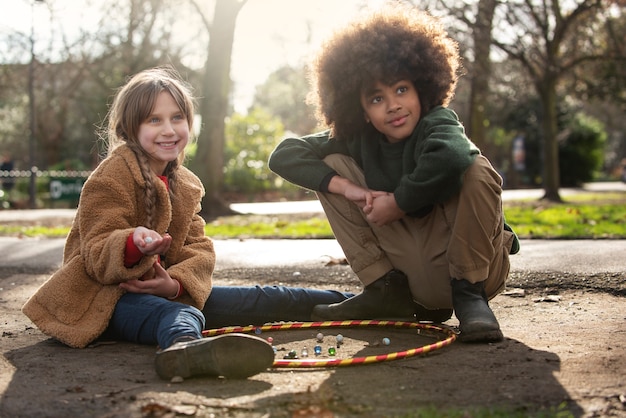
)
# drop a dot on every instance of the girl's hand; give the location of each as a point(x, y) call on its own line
point(151, 242)
point(159, 284)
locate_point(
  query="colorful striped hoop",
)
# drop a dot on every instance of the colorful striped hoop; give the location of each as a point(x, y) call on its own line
point(353, 361)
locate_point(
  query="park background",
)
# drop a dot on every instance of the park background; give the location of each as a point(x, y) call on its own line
point(542, 95)
point(554, 77)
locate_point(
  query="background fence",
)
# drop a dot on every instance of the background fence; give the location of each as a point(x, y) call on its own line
point(37, 189)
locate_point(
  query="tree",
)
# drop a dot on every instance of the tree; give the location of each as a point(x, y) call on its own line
point(550, 40)
point(208, 163)
point(581, 147)
point(601, 86)
point(133, 35)
point(284, 95)
point(481, 73)
point(250, 140)
point(76, 75)
point(478, 21)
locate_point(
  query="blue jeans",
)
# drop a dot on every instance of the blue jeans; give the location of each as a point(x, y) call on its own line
point(242, 306)
point(153, 320)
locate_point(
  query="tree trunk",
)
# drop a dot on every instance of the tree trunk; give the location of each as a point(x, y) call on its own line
point(551, 180)
point(208, 164)
point(481, 73)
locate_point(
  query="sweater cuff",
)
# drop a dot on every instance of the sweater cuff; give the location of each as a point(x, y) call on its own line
point(326, 181)
point(132, 254)
point(180, 292)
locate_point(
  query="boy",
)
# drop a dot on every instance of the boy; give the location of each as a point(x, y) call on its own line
point(415, 206)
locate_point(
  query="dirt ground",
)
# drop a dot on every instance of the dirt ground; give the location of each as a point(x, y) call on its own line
point(564, 354)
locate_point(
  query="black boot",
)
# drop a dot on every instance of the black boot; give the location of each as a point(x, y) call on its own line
point(432, 315)
point(477, 322)
point(387, 298)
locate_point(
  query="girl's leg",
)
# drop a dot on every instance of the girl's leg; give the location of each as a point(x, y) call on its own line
point(177, 329)
point(241, 306)
point(148, 319)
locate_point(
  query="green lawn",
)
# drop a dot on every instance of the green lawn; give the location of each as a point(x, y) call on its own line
point(568, 220)
point(588, 215)
point(583, 216)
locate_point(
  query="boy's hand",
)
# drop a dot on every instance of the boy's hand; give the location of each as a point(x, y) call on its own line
point(384, 209)
point(161, 284)
point(360, 196)
point(380, 208)
point(151, 242)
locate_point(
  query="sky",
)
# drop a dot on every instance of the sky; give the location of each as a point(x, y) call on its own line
point(268, 34)
point(272, 33)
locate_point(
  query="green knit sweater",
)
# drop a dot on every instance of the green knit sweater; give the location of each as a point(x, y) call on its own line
point(425, 169)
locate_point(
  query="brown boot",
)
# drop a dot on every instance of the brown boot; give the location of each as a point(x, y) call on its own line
point(235, 356)
point(477, 323)
point(387, 298)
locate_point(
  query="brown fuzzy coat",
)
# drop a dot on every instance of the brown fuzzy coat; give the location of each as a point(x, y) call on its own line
point(77, 302)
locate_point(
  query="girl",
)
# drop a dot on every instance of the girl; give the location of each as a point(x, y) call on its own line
point(137, 265)
point(414, 205)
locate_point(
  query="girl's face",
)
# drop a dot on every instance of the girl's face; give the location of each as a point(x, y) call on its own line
point(165, 132)
point(394, 110)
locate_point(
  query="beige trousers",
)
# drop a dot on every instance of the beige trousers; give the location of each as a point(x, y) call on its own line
point(462, 238)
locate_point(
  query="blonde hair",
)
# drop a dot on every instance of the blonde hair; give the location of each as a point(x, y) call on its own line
point(133, 103)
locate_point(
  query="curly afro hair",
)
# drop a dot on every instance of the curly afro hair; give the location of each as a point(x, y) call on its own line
point(397, 42)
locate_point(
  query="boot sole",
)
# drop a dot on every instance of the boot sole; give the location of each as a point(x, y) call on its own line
point(233, 356)
point(480, 333)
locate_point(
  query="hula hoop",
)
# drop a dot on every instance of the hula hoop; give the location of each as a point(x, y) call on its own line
point(353, 361)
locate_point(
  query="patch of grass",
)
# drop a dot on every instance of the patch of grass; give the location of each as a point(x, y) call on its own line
point(242, 226)
point(606, 197)
point(568, 220)
point(582, 216)
point(34, 231)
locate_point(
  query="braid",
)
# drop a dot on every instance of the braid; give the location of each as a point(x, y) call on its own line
point(171, 172)
point(150, 189)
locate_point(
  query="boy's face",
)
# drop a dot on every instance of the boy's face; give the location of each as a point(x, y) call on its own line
point(394, 110)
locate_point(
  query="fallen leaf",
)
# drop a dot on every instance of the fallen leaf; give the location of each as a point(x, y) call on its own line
point(515, 293)
point(333, 261)
point(549, 298)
